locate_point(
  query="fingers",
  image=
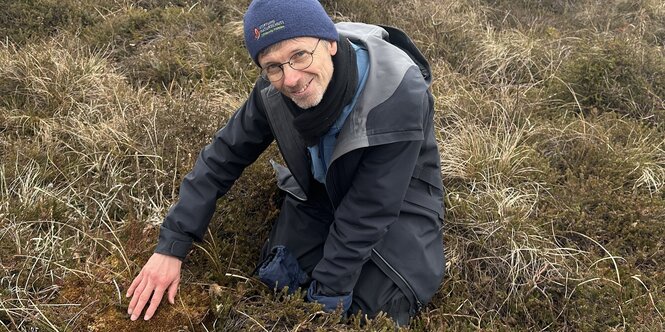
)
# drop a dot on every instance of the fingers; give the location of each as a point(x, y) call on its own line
point(160, 273)
point(141, 299)
point(173, 289)
point(138, 289)
point(134, 284)
point(154, 303)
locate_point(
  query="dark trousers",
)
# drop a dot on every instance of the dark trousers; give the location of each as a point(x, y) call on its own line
point(302, 227)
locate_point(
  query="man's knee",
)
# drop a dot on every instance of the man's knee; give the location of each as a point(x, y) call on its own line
point(375, 292)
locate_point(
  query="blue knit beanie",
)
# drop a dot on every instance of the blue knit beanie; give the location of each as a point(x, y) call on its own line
point(268, 22)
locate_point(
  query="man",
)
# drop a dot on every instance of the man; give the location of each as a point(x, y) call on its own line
point(350, 108)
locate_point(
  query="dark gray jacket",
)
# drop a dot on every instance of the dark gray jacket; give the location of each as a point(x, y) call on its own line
point(384, 180)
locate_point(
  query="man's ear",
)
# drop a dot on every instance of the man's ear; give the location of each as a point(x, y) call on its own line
point(332, 47)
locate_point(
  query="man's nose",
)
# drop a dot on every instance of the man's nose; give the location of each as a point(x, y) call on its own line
point(291, 76)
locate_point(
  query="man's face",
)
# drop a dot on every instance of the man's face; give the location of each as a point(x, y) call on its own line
point(305, 87)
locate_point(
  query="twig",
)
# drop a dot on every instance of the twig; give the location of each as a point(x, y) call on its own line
point(236, 276)
point(253, 320)
point(610, 256)
point(118, 289)
point(653, 303)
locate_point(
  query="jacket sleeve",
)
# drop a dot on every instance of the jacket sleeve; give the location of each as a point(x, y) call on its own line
point(370, 206)
point(238, 144)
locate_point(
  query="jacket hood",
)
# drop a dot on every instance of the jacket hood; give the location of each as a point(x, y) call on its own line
point(365, 33)
point(398, 79)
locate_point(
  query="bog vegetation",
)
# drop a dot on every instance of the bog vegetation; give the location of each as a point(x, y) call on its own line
point(549, 120)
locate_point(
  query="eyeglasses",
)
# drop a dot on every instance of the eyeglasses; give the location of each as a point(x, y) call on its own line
point(298, 61)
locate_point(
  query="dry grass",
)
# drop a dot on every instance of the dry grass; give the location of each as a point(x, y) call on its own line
point(549, 122)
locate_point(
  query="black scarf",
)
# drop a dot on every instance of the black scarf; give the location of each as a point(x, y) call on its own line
point(314, 122)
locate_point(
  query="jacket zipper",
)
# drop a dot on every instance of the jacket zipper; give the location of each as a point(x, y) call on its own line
point(322, 158)
point(419, 304)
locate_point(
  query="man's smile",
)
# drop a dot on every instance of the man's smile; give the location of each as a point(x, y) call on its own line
point(303, 89)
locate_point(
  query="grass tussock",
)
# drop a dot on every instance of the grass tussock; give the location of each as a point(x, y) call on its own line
point(548, 121)
point(56, 80)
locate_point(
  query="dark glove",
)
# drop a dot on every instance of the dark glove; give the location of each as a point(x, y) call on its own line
point(330, 302)
point(281, 269)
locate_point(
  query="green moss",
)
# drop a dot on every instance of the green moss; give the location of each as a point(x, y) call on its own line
point(617, 75)
point(597, 192)
point(171, 47)
point(245, 215)
point(24, 21)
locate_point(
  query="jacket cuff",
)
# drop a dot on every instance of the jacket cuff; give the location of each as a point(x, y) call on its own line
point(173, 244)
point(329, 302)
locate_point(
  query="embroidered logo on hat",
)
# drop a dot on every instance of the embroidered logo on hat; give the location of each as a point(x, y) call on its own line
point(268, 28)
point(267, 22)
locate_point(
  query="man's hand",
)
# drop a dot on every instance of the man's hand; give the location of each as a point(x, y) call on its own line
point(160, 273)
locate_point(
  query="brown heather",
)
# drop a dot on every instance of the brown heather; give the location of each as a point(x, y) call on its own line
point(550, 125)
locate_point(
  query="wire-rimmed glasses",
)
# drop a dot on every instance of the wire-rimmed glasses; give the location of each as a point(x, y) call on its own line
point(298, 61)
